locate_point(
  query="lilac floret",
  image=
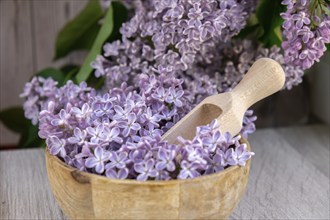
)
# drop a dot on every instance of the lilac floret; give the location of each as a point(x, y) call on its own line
point(188, 170)
point(117, 174)
point(166, 160)
point(56, 145)
point(79, 137)
point(117, 160)
point(145, 169)
point(98, 160)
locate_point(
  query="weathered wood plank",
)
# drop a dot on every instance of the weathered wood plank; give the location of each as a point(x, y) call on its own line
point(48, 18)
point(77, 57)
point(24, 189)
point(16, 56)
point(283, 184)
point(312, 142)
point(27, 39)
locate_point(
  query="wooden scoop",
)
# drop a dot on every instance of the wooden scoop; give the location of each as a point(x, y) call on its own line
point(264, 78)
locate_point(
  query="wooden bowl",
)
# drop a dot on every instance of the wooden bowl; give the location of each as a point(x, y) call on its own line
point(83, 195)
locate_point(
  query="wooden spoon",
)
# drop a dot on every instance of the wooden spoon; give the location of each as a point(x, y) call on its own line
point(264, 78)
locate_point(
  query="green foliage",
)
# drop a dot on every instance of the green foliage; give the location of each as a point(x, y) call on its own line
point(80, 33)
point(268, 15)
point(70, 72)
point(29, 138)
point(56, 74)
point(102, 36)
point(119, 17)
point(265, 24)
point(13, 118)
point(61, 75)
point(318, 8)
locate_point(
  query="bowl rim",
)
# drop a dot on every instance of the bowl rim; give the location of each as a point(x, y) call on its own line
point(149, 182)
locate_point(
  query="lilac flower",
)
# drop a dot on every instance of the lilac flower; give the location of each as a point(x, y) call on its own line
point(166, 160)
point(145, 169)
point(83, 112)
point(301, 19)
point(174, 97)
point(151, 132)
point(229, 157)
point(212, 142)
point(62, 120)
point(103, 109)
point(84, 153)
point(129, 126)
point(118, 160)
point(150, 118)
point(97, 133)
point(122, 113)
point(98, 160)
point(100, 65)
point(215, 164)
point(305, 33)
point(195, 152)
point(113, 135)
point(120, 174)
point(241, 154)
point(188, 170)
point(163, 175)
point(56, 146)
point(79, 137)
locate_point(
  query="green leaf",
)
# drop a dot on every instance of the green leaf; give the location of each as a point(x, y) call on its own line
point(70, 73)
point(68, 68)
point(325, 9)
point(56, 74)
point(80, 33)
point(247, 31)
point(13, 118)
point(30, 138)
point(328, 47)
point(103, 35)
point(268, 14)
point(119, 16)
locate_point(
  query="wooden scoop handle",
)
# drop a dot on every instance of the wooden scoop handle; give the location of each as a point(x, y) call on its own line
point(264, 78)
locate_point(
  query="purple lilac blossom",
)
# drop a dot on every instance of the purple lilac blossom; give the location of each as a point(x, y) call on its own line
point(305, 34)
point(226, 64)
point(117, 148)
point(39, 92)
point(170, 34)
point(117, 134)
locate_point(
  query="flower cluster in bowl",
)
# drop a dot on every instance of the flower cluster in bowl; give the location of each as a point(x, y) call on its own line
point(118, 134)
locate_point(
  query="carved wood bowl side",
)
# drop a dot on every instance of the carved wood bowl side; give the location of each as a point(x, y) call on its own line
point(82, 195)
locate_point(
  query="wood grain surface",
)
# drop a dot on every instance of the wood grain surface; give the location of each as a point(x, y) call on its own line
point(28, 30)
point(289, 178)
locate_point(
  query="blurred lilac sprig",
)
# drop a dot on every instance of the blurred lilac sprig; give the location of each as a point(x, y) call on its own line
point(40, 91)
point(306, 32)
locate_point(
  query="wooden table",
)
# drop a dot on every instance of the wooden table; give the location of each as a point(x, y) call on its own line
point(289, 178)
